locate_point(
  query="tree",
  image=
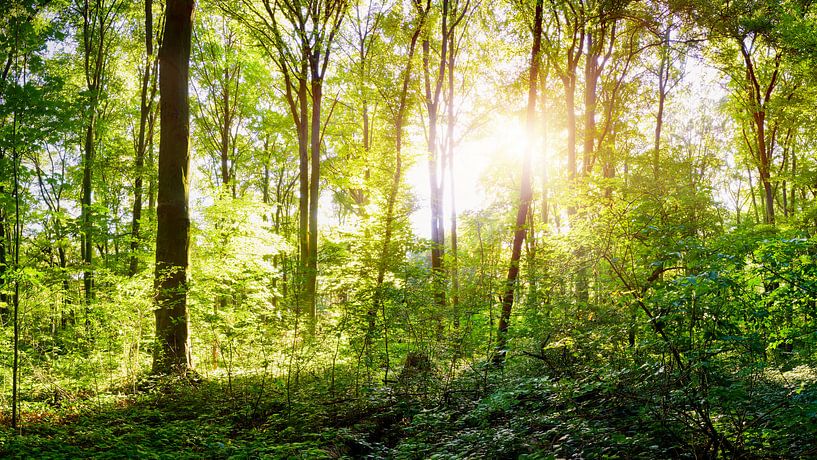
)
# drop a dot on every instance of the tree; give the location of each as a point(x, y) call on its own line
point(565, 34)
point(754, 62)
point(222, 75)
point(526, 190)
point(97, 29)
point(172, 352)
point(433, 80)
point(298, 36)
point(399, 113)
point(144, 138)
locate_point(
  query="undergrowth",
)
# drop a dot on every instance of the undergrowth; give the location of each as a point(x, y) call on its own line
point(625, 413)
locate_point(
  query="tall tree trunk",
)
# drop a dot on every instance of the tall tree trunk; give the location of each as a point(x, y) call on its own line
point(752, 194)
point(304, 56)
point(303, 199)
point(172, 352)
point(436, 168)
point(151, 166)
point(793, 185)
point(4, 310)
point(764, 167)
point(87, 250)
point(591, 77)
point(17, 233)
point(760, 93)
point(96, 20)
point(570, 106)
point(15, 366)
point(526, 190)
point(455, 278)
point(314, 196)
point(147, 94)
point(569, 35)
point(663, 78)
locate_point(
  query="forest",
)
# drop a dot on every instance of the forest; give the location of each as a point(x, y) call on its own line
point(449, 229)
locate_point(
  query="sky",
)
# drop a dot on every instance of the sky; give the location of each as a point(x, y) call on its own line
point(702, 89)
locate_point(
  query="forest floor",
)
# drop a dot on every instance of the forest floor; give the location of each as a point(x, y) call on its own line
point(521, 417)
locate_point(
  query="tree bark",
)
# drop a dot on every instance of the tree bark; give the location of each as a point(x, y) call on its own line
point(172, 351)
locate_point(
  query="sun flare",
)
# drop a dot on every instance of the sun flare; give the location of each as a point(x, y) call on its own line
point(498, 148)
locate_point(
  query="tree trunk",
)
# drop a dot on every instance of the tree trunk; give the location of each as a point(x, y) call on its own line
point(764, 167)
point(590, 82)
point(436, 168)
point(455, 278)
point(147, 94)
point(172, 352)
point(314, 198)
point(4, 310)
point(303, 199)
point(526, 191)
point(759, 96)
point(663, 78)
point(96, 23)
point(570, 106)
point(87, 250)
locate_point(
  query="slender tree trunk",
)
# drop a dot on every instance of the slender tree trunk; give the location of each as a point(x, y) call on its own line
point(663, 77)
point(314, 198)
point(570, 106)
point(303, 199)
point(455, 278)
point(4, 310)
point(793, 185)
point(151, 166)
point(752, 194)
point(96, 22)
point(147, 94)
point(87, 222)
point(225, 118)
point(764, 168)
point(66, 286)
point(759, 96)
point(15, 366)
point(172, 352)
point(224, 153)
point(590, 83)
point(436, 168)
point(526, 190)
point(15, 379)
point(265, 185)
point(591, 76)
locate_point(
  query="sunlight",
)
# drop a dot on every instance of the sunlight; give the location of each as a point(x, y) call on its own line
point(507, 140)
point(500, 144)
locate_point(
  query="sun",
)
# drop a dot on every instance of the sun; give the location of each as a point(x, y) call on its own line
point(500, 142)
